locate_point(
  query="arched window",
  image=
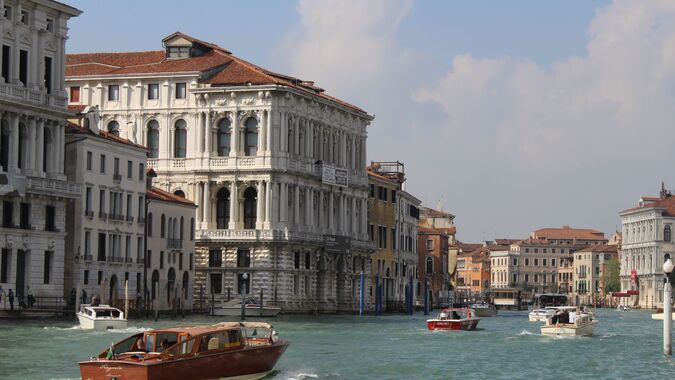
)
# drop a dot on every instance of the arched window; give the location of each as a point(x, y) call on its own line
point(46, 149)
point(223, 208)
point(224, 137)
point(162, 226)
point(666, 233)
point(192, 229)
point(251, 137)
point(114, 128)
point(169, 230)
point(152, 141)
point(181, 228)
point(430, 265)
point(148, 224)
point(4, 145)
point(171, 285)
point(250, 196)
point(155, 284)
point(179, 193)
point(174, 225)
point(180, 139)
point(186, 284)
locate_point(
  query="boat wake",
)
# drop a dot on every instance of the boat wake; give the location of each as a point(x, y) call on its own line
point(130, 330)
point(525, 332)
point(301, 376)
point(76, 327)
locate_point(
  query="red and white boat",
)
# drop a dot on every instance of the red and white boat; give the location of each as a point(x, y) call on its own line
point(454, 318)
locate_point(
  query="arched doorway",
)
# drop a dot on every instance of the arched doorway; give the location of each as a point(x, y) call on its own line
point(113, 290)
point(171, 284)
point(250, 196)
point(155, 284)
point(222, 208)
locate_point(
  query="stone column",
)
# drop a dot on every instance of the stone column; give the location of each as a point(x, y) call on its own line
point(353, 152)
point(309, 207)
point(329, 156)
point(62, 147)
point(234, 146)
point(14, 143)
point(331, 218)
point(207, 205)
point(353, 230)
point(268, 144)
point(199, 151)
point(199, 200)
point(364, 217)
point(234, 202)
point(39, 149)
point(262, 134)
point(296, 205)
point(310, 140)
point(269, 186)
point(320, 133)
point(296, 137)
point(208, 136)
point(284, 132)
point(32, 148)
point(259, 201)
point(283, 202)
point(321, 216)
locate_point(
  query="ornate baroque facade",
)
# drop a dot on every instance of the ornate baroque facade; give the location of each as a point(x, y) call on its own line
point(255, 150)
point(33, 187)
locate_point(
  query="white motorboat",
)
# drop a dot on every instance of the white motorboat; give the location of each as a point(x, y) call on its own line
point(568, 322)
point(232, 308)
point(541, 315)
point(101, 317)
point(659, 316)
point(622, 308)
point(483, 309)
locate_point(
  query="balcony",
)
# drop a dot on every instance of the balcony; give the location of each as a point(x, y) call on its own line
point(19, 93)
point(50, 227)
point(128, 260)
point(117, 177)
point(141, 220)
point(89, 214)
point(117, 217)
point(102, 215)
point(88, 257)
point(174, 243)
point(53, 187)
point(115, 259)
point(130, 219)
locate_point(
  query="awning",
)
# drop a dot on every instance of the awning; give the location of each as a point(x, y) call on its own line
point(627, 293)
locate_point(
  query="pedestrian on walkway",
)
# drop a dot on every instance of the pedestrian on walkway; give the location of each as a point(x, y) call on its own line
point(30, 299)
point(2, 293)
point(10, 295)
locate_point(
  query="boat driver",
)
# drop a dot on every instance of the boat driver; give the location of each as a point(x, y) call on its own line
point(140, 345)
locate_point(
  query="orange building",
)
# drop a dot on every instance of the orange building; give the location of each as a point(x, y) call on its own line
point(433, 264)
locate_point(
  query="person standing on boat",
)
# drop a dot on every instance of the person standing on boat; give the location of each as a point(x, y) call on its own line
point(573, 316)
point(84, 296)
point(10, 295)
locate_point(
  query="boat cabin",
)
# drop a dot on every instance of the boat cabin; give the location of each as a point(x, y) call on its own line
point(101, 311)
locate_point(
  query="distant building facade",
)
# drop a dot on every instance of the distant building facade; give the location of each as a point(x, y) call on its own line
point(589, 268)
point(34, 190)
point(647, 236)
point(276, 167)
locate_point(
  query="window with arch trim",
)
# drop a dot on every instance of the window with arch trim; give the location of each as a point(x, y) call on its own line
point(224, 137)
point(251, 137)
point(250, 196)
point(430, 265)
point(148, 224)
point(222, 208)
point(162, 226)
point(666, 233)
point(180, 138)
point(152, 141)
point(114, 128)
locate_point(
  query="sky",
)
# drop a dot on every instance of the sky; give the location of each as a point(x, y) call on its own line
point(511, 115)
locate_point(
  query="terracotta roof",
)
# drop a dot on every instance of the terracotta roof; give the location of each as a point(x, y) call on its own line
point(467, 247)
point(74, 129)
point(77, 108)
point(600, 248)
point(667, 203)
point(217, 65)
point(373, 174)
point(160, 195)
point(568, 233)
point(430, 230)
point(506, 241)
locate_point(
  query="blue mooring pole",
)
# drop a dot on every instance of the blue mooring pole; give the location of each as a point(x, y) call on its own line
point(426, 297)
point(362, 293)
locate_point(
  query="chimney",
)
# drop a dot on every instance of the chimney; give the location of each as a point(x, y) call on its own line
point(149, 176)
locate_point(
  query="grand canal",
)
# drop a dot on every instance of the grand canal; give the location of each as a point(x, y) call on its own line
point(626, 345)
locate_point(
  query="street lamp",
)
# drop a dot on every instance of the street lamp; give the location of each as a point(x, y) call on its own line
point(667, 308)
point(243, 297)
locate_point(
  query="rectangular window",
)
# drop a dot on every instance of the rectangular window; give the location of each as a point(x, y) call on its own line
point(48, 74)
point(101, 202)
point(50, 224)
point(141, 172)
point(553, 262)
point(103, 163)
point(139, 250)
point(25, 17)
point(543, 262)
point(113, 92)
point(87, 201)
point(372, 190)
point(161, 259)
point(296, 260)
point(24, 216)
point(153, 91)
point(527, 262)
point(87, 244)
point(140, 208)
point(48, 266)
point(216, 283)
point(244, 258)
point(101, 246)
point(393, 238)
point(180, 90)
point(7, 12)
point(100, 277)
point(129, 204)
point(86, 277)
point(23, 67)
point(180, 261)
point(127, 247)
point(6, 60)
point(536, 262)
point(8, 214)
point(430, 244)
point(527, 277)
point(116, 166)
point(393, 196)
point(129, 169)
point(147, 263)
point(89, 160)
point(215, 258)
point(4, 265)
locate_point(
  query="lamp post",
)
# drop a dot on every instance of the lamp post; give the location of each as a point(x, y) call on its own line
point(667, 308)
point(243, 297)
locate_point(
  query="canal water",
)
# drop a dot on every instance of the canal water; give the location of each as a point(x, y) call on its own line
point(627, 345)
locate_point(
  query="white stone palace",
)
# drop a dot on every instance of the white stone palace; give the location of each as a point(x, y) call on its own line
point(276, 166)
point(33, 187)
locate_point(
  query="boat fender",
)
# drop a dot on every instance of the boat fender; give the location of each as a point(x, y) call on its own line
point(275, 336)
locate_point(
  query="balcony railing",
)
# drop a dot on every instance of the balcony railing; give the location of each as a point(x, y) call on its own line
point(118, 217)
point(89, 214)
point(130, 218)
point(19, 93)
point(52, 186)
point(141, 219)
point(128, 260)
point(88, 257)
point(102, 215)
point(117, 177)
point(115, 259)
point(174, 243)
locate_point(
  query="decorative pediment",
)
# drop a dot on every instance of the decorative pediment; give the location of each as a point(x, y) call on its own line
point(26, 39)
point(8, 34)
point(49, 46)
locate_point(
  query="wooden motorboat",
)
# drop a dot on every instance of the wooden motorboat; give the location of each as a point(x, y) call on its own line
point(101, 317)
point(483, 309)
point(569, 321)
point(252, 308)
point(454, 318)
point(234, 350)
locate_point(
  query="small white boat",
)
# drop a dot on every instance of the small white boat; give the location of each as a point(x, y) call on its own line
point(659, 316)
point(541, 315)
point(622, 308)
point(483, 309)
point(101, 317)
point(232, 308)
point(570, 323)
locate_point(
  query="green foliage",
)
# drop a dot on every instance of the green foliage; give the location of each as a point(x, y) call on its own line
point(612, 280)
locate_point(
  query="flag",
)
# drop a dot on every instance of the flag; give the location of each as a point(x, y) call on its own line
point(111, 352)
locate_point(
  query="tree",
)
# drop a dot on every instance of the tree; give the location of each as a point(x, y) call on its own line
point(611, 276)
